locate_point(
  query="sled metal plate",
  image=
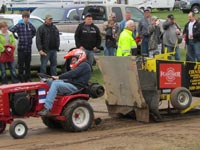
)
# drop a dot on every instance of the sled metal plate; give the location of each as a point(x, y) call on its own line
point(121, 81)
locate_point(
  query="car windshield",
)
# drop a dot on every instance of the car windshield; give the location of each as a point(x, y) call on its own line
point(36, 22)
point(56, 13)
point(136, 14)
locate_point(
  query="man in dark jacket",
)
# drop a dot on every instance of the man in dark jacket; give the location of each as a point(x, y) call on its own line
point(25, 32)
point(48, 42)
point(191, 33)
point(87, 37)
point(143, 31)
point(70, 81)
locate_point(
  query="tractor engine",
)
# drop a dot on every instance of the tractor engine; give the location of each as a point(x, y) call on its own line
point(21, 103)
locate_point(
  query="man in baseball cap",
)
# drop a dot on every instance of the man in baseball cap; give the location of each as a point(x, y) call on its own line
point(147, 10)
point(171, 36)
point(143, 31)
point(48, 17)
point(170, 17)
point(88, 15)
point(48, 41)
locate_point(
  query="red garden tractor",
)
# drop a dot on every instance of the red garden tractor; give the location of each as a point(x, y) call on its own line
point(71, 112)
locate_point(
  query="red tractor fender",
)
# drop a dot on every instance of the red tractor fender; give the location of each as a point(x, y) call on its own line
point(61, 101)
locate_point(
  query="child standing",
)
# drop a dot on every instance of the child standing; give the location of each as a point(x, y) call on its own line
point(7, 48)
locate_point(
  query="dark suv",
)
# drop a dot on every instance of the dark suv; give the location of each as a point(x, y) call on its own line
point(190, 5)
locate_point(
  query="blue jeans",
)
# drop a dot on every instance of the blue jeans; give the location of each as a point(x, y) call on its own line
point(11, 66)
point(52, 57)
point(177, 52)
point(197, 50)
point(190, 55)
point(57, 86)
point(111, 51)
point(145, 46)
point(90, 56)
point(103, 43)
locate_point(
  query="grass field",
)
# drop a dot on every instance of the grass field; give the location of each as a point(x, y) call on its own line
point(180, 17)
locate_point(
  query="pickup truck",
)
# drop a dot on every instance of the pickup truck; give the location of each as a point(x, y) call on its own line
point(100, 13)
point(190, 5)
point(65, 18)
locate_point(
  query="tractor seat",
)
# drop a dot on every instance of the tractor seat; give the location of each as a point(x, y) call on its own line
point(76, 92)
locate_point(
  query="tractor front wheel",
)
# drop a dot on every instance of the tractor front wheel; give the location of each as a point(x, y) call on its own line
point(181, 98)
point(2, 126)
point(79, 116)
point(18, 129)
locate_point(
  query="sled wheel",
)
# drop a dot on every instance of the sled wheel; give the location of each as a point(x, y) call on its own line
point(51, 123)
point(79, 116)
point(2, 126)
point(181, 98)
point(18, 129)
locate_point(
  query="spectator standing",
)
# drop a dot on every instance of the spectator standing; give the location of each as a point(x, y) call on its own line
point(144, 32)
point(7, 48)
point(191, 33)
point(110, 39)
point(170, 35)
point(88, 37)
point(126, 42)
point(3, 9)
point(25, 32)
point(123, 22)
point(154, 40)
point(115, 32)
point(48, 42)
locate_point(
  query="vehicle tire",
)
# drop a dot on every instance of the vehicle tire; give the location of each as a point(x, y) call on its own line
point(181, 98)
point(195, 9)
point(79, 116)
point(18, 129)
point(51, 123)
point(2, 126)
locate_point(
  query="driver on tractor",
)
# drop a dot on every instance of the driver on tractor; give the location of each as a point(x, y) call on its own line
point(68, 82)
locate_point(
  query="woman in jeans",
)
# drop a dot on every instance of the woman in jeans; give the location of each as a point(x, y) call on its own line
point(7, 48)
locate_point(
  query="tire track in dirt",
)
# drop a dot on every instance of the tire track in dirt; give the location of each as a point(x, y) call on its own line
point(125, 128)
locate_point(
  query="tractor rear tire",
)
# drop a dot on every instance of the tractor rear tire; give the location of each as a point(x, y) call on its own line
point(51, 123)
point(79, 116)
point(18, 129)
point(181, 98)
point(2, 126)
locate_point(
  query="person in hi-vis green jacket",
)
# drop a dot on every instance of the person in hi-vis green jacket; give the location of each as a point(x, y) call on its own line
point(126, 41)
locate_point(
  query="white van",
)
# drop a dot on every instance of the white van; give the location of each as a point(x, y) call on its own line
point(159, 4)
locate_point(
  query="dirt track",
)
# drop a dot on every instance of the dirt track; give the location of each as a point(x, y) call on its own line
point(111, 134)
